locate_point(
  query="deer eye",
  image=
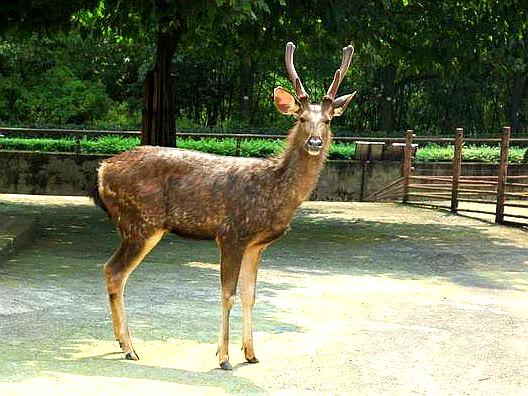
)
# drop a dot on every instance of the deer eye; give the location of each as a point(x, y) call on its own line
point(326, 122)
point(302, 119)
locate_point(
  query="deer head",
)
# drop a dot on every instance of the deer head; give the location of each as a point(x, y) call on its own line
point(313, 125)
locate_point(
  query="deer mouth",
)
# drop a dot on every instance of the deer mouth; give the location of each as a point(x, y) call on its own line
point(314, 145)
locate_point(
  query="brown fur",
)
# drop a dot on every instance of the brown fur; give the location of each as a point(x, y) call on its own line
point(206, 196)
point(244, 204)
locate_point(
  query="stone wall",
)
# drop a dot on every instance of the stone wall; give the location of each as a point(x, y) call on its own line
point(73, 174)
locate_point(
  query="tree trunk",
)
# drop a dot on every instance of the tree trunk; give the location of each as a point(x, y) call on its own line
point(157, 121)
point(387, 99)
point(517, 91)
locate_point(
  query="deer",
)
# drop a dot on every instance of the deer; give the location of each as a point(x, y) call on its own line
point(243, 204)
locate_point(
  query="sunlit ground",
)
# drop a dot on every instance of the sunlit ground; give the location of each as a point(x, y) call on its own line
point(356, 299)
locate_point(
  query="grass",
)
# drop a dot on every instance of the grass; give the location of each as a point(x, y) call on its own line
point(248, 148)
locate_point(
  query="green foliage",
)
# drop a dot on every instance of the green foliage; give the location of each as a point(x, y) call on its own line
point(248, 148)
point(60, 98)
point(342, 151)
point(114, 144)
point(214, 146)
point(108, 144)
point(34, 15)
point(43, 144)
point(261, 148)
point(119, 116)
point(470, 73)
point(104, 145)
point(471, 153)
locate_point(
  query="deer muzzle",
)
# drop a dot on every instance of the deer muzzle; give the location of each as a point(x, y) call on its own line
point(314, 145)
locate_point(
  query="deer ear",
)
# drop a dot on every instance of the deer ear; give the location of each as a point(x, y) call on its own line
point(285, 102)
point(339, 105)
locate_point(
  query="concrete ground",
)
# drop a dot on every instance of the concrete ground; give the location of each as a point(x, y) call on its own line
point(358, 299)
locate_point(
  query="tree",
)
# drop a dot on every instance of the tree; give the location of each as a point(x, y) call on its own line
point(170, 22)
point(40, 15)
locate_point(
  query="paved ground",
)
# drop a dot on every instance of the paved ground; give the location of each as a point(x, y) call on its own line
point(357, 299)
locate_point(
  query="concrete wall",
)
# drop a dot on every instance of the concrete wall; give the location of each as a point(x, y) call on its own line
point(351, 180)
point(24, 172)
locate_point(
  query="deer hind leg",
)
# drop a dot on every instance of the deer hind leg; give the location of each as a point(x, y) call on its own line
point(248, 279)
point(230, 261)
point(117, 270)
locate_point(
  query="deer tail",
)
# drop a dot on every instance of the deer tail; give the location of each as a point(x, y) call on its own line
point(94, 193)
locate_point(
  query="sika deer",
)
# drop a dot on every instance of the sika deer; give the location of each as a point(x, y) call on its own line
point(243, 204)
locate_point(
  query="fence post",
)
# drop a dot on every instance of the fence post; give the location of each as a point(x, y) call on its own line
point(457, 169)
point(503, 175)
point(238, 147)
point(407, 163)
point(77, 144)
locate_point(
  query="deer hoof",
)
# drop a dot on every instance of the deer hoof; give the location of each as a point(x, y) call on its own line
point(253, 360)
point(131, 356)
point(225, 365)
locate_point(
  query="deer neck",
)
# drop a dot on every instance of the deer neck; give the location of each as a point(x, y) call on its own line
point(298, 171)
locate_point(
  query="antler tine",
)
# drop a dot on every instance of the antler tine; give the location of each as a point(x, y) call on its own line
point(340, 73)
point(292, 73)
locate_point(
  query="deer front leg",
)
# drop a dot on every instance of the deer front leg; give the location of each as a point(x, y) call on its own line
point(248, 279)
point(231, 258)
point(117, 270)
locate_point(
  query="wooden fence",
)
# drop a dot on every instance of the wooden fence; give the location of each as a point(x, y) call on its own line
point(503, 196)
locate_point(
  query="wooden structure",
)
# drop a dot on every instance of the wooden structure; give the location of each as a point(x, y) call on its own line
point(491, 194)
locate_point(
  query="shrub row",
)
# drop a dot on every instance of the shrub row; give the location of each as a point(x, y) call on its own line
point(248, 148)
point(472, 153)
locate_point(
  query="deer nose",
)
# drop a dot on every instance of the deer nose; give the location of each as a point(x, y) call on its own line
point(314, 143)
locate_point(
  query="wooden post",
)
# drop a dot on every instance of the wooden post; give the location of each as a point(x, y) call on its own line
point(407, 163)
point(502, 176)
point(457, 169)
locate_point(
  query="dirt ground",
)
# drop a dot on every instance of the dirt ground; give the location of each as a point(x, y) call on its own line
point(357, 299)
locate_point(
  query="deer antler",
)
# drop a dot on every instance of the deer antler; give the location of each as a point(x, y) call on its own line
point(292, 73)
point(340, 73)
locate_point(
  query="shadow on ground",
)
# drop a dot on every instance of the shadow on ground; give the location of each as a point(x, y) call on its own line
point(462, 251)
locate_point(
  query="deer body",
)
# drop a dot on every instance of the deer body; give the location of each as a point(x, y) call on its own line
point(243, 204)
point(203, 196)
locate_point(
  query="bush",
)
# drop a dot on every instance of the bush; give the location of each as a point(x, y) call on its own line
point(249, 148)
point(120, 116)
point(109, 144)
point(472, 153)
point(60, 98)
point(51, 145)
